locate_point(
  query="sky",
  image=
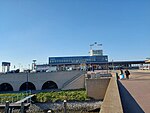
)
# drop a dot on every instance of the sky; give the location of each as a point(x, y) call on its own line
point(38, 29)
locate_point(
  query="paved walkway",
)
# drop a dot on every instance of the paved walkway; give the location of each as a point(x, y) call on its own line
point(139, 87)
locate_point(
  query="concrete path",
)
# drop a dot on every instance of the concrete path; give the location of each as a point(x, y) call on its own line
point(139, 87)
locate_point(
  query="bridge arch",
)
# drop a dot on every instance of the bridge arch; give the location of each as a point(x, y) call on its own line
point(49, 85)
point(27, 86)
point(6, 87)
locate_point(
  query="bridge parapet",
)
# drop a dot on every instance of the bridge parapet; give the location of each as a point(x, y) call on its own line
point(112, 102)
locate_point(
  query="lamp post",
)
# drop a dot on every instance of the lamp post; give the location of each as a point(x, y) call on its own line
point(65, 106)
point(27, 79)
point(91, 56)
point(33, 65)
point(113, 65)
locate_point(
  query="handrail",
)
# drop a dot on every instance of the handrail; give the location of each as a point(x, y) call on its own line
point(12, 99)
point(25, 99)
point(72, 79)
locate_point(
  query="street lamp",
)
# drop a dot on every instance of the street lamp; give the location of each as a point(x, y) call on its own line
point(27, 80)
point(91, 56)
point(113, 65)
point(33, 65)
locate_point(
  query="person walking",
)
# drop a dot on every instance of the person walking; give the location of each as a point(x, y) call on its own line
point(127, 73)
point(121, 74)
point(121, 71)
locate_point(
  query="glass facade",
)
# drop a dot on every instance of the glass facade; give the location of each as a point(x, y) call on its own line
point(77, 60)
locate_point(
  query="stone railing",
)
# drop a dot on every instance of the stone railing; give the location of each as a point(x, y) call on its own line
point(112, 101)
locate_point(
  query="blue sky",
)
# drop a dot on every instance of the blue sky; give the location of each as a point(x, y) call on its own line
point(38, 29)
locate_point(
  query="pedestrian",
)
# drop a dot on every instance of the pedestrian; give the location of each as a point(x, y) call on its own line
point(121, 74)
point(127, 73)
point(121, 71)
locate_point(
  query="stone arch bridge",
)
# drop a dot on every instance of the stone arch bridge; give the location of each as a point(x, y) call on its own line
point(40, 81)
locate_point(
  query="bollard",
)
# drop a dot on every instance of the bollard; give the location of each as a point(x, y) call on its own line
point(22, 107)
point(7, 107)
point(12, 99)
point(65, 106)
point(49, 111)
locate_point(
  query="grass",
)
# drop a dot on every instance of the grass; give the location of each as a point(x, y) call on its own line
point(74, 95)
point(12, 97)
point(78, 95)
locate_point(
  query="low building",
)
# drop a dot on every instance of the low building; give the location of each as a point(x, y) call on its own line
point(78, 62)
point(96, 60)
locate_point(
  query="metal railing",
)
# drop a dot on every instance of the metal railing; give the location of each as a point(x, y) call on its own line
point(72, 79)
point(12, 99)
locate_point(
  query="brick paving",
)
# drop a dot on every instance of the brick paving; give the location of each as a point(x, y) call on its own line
point(139, 87)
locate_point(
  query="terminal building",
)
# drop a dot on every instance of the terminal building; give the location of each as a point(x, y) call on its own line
point(96, 60)
point(78, 62)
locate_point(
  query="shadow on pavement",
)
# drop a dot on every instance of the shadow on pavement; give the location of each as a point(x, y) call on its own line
point(129, 104)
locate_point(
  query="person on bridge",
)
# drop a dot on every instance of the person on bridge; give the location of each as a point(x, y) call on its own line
point(121, 71)
point(121, 74)
point(127, 73)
